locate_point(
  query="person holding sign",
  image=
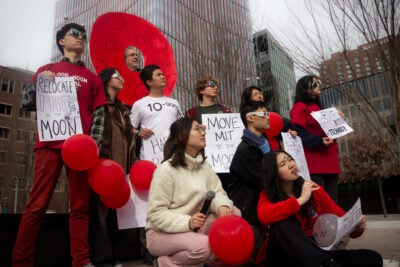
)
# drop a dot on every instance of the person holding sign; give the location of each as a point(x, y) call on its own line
point(245, 170)
point(290, 206)
point(118, 144)
point(71, 40)
point(321, 151)
point(176, 230)
point(154, 113)
point(206, 90)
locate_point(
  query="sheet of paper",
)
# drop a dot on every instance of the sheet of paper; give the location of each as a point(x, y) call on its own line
point(153, 148)
point(57, 108)
point(294, 147)
point(134, 213)
point(347, 223)
point(332, 124)
point(224, 133)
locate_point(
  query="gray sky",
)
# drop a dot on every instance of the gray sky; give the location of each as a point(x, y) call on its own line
point(26, 27)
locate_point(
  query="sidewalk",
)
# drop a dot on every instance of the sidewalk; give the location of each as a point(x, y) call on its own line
point(382, 235)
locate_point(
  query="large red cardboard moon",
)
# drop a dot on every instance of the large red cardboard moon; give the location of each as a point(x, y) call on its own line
point(112, 33)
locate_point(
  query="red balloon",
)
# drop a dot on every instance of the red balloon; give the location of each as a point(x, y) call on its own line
point(231, 239)
point(107, 178)
point(80, 152)
point(119, 199)
point(275, 124)
point(141, 174)
point(112, 33)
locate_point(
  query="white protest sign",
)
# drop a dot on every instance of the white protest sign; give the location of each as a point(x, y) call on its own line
point(347, 223)
point(153, 148)
point(57, 108)
point(133, 214)
point(332, 124)
point(294, 147)
point(223, 135)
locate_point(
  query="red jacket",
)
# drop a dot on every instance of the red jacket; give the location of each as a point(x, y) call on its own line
point(269, 213)
point(320, 159)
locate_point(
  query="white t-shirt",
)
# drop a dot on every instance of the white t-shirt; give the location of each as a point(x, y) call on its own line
point(155, 113)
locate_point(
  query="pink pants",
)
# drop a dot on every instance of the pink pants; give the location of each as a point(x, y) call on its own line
point(184, 249)
point(47, 169)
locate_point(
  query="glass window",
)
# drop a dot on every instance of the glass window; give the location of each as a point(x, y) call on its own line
point(377, 105)
point(4, 133)
point(11, 87)
point(5, 109)
point(4, 85)
point(386, 103)
point(3, 155)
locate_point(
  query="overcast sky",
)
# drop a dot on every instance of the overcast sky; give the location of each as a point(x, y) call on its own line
point(26, 27)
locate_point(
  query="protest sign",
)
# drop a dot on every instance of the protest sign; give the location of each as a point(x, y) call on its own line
point(294, 147)
point(57, 108)
point(153, 148)
point(332, 124)
point(223, 135)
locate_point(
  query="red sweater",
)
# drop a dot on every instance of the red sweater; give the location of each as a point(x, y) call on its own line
point(321, 159)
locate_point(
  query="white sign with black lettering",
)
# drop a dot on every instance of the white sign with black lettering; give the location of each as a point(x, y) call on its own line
point(57, 108)
point(153, 148)
point(332, 124)
point(294, 147)
point(223, 135)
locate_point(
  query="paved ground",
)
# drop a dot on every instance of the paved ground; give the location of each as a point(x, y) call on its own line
point(382, 235)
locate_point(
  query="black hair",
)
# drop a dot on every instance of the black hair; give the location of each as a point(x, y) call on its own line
point(246, 94)
point(302, 85)
point(271, 180)
point(146, 74)
point(63, 31)
point(105, 76)
point(247, 107)
point(175, 146)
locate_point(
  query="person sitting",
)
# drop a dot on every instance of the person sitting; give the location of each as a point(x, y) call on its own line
point(176, 195)
point(290, 206)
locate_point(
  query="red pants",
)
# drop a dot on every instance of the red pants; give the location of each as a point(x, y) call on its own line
point(47, 168)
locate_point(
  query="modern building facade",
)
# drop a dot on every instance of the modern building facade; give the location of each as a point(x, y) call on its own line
point(349, 76)
point(17, 139)
point(212, 37)
point(275, 72)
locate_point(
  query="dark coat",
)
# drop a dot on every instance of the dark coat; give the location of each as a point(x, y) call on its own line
point(244, 183)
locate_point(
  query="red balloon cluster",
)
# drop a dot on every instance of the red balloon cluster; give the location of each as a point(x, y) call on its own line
point(275, 124)
point(107, 179)
point(231, 239)
point(80, 152)
point(141, 174)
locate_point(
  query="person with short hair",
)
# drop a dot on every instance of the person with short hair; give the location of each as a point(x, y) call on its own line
point(154, 113)
point(131, 58)
point(177, 193)
point(244, 182)
point(70, 40)
point(206, 90)
point(289, 206)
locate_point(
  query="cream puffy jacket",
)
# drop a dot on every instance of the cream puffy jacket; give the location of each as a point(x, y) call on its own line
point(178, 193)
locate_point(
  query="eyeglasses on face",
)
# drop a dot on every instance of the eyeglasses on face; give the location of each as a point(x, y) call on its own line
point(212, 83)
point(117, 76)
point(76, 34)
point(315, 85)
point(262, 114)
point(257, 93)
point(200, 128)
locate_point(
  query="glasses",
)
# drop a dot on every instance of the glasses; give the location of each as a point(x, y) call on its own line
point(77, 34)
point(117, 76)
point(262, 114)
point(200, 128)
point(258, 93)
point(315, 85)
point(212, 83)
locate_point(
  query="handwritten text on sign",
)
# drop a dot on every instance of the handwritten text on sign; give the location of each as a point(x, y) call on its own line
point(223, 135)
point(294, 147)
point(153, 148)
point(57, 108)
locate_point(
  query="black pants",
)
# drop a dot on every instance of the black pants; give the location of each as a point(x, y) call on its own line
point(288, 246)
point(329, 182)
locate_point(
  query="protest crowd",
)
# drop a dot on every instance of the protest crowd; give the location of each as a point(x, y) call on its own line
point(272, 195)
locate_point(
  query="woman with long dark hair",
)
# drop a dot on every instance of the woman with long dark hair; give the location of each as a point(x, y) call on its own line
point(290, 206)
point(176, 231)
point(321, 151)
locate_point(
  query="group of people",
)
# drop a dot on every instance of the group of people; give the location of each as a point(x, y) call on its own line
point(263, 185)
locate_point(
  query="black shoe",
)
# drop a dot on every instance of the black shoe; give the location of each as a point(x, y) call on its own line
point(148, 259)
point(330, 263)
